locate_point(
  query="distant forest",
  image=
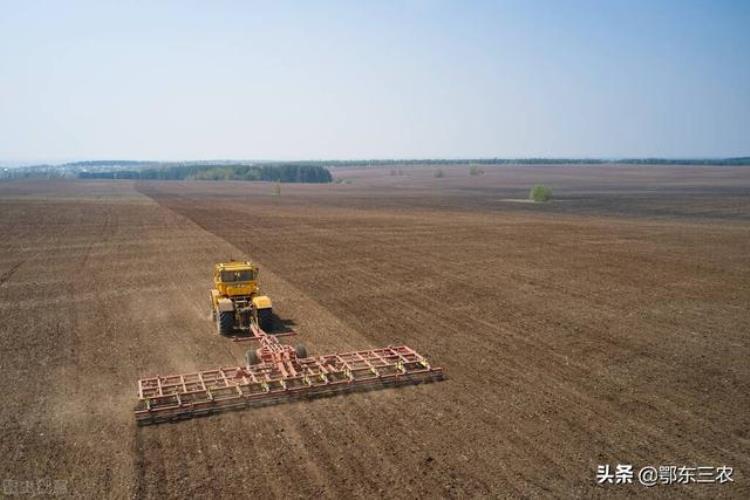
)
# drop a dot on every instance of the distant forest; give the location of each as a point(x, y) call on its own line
point(287, 172)
point(298, 171)
point(119, 164)
point(541, 161)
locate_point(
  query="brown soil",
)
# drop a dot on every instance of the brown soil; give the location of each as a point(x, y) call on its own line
point(569, 338)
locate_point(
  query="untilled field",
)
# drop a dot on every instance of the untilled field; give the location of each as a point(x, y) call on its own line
point(570, 338)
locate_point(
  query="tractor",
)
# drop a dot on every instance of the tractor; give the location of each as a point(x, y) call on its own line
point(273, 372)
point(236, 301)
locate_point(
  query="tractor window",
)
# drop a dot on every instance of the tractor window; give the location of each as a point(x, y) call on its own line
point(234, 276)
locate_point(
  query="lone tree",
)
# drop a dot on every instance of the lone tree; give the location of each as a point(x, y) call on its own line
point(540, 193)
point(439, 173)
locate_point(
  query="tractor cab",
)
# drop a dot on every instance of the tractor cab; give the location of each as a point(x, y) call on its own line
point(236, 278)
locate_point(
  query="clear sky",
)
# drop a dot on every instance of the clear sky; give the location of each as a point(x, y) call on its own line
point(373, 79)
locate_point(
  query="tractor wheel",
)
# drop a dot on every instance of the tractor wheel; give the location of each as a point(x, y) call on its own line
point(225, 322)
point(265, 319)
point(300, 351)
point(251, 357)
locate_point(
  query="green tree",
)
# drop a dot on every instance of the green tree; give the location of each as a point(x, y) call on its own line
point(540, 193)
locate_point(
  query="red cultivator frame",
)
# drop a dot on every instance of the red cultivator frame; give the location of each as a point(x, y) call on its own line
point(276, 373)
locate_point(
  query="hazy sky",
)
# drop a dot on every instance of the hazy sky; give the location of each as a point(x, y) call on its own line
point(376, 79)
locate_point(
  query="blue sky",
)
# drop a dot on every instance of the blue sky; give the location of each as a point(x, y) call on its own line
point(319, 80)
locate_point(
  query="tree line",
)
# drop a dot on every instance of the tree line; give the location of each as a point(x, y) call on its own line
point(286, 172)
point(738, 161)
point(299, 171)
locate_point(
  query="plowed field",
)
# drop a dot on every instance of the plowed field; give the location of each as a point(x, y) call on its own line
point(609, 326)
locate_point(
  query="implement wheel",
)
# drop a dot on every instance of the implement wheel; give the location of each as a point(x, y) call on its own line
point(300, 351)
point(265, 319)
point(225, 322)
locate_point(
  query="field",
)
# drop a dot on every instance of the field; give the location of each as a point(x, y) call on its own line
point(608, 326)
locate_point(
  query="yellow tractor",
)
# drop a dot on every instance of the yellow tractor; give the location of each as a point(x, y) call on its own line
point(236, 301)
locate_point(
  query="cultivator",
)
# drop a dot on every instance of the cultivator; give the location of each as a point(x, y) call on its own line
point(275, 373)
